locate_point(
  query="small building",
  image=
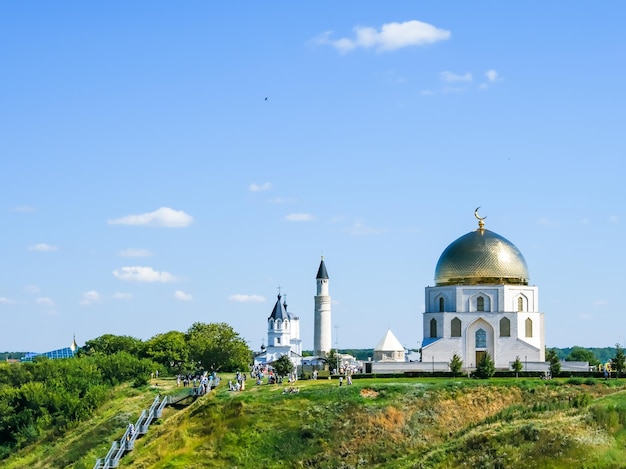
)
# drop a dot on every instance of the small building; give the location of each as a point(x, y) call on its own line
point(389, 349)
point(66, 352)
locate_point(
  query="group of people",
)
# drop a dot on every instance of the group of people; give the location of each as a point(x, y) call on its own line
point(239, 384)
point(200, 383)
point(348, 379)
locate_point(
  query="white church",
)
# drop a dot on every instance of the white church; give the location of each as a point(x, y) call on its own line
point(283, 336)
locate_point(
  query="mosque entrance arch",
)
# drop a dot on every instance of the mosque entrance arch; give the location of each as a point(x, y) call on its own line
point(480, 341)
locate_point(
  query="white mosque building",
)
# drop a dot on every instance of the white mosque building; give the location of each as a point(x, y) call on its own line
point(482, 303)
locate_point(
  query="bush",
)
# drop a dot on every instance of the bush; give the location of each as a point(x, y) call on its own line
point(485, 368)
point(581, 400)
point(140, 380)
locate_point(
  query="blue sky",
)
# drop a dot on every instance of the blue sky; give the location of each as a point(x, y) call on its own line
point(147, 183)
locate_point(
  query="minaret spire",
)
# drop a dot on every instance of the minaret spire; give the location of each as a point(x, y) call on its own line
point(322, 331)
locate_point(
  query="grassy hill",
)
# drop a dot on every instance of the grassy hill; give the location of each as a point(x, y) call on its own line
point(376, 423)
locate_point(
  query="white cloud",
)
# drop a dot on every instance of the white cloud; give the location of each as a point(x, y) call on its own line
point(299, 217)
point(162, 217)
point(132, 252)
point(43, 247)
point(613, 219)
point(241, 298)
point(45, 301)
point(6, 301)
point(260, 187)
point(32, 289)
point(90, 297)
point(143, 274)
point(391, 36)
point(182, 296)
point(492, 75)
point(24, 209)
point(449, 77)
point(122, 296)
point(359, 229)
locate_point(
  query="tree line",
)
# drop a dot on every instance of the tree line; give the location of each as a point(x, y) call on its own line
point(51, 396)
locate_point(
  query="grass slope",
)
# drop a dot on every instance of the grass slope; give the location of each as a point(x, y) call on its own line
point(376, 423)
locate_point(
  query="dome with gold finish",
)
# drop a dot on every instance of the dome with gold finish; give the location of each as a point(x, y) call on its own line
point(481, 257)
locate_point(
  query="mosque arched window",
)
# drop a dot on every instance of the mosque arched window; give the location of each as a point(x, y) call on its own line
point(481, 338)
point(480, 303)
point(455, 327)
point(505, 327)
point(441, 305)
point(529, 327)
point(433, 327)
point(520, 304)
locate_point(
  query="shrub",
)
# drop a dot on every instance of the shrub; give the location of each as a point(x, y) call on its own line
point(485, 368)
point(581, 400)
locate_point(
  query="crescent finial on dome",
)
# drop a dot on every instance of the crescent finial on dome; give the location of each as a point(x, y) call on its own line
point(481, 223)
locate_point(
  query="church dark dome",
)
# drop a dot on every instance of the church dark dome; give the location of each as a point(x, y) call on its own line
point(481, 257)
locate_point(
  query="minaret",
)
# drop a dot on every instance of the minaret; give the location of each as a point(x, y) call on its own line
point(322, 335)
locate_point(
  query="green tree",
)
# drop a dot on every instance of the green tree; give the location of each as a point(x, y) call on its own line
point(455, 364)
point(333, 360)
point(170, 349)
point(581, 354)
point(283, 366)
point(517, 366)
point(618, 361)
point(555, 362)
point(217, 347)
point(485, 367)
point(109, 344)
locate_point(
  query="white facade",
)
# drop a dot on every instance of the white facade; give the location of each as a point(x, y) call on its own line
point(513, 327)
point(283, 336)
point(322, 339)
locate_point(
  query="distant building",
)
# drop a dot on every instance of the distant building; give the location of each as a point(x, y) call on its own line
point(389, 349)
point(283, 336)
point(67, 352)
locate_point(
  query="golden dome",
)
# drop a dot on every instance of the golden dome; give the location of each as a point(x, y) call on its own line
point(481, 257)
